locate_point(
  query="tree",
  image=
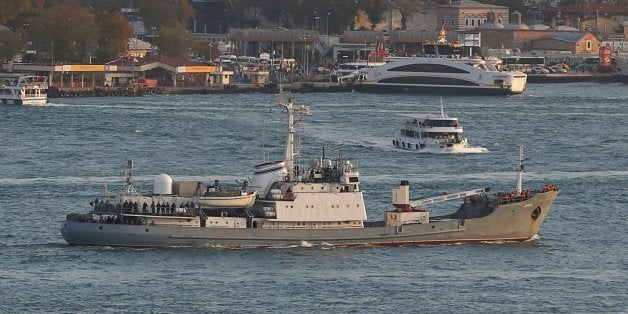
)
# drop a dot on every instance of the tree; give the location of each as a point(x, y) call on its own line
point(374, 9)
point(407, 7)
point(113, 36)
point(11, 10)
point(67, 30)
point(165, 13)
point(11, 44)
point(174, 41)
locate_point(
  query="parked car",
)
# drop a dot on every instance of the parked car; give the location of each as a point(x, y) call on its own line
point(540, 70)
point(557, 69)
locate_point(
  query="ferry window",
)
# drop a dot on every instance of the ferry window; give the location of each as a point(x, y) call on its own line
point(427, 81)
point(436, 68)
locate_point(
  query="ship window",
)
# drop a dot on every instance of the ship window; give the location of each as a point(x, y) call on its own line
point(353, 179)
point(434, 68)
point(423, 80)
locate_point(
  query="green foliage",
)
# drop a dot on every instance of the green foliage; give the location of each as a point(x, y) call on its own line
point(174, 41)
point(113, 36)
point(375, 10)
point(157, 13)
point(11, 43)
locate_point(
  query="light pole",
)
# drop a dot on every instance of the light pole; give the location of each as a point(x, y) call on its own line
point(211, 46)
point(327, 29)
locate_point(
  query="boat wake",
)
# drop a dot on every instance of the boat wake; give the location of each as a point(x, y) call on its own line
point(436, 151)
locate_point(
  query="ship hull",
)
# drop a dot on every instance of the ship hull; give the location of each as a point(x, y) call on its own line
point(433, 89)
point(509, 222)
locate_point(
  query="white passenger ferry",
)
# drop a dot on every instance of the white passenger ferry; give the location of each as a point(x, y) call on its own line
point(442, 75)
point(437, 134)
point(21, 89)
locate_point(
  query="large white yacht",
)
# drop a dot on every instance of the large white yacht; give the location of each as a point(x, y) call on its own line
point(20, 89)
point(442, 75)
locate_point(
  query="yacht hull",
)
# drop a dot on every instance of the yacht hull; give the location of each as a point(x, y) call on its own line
point(517, 221)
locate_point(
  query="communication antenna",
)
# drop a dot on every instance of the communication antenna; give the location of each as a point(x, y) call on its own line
point(520, 167)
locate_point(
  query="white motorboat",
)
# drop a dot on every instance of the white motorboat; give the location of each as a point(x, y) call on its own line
point(434, 134)
point(222, 199)
point(20, 89)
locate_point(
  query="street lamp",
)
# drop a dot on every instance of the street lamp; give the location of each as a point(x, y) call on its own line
point(327, 28)
point(211, 46)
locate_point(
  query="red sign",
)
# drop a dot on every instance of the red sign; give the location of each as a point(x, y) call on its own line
point(606, 57)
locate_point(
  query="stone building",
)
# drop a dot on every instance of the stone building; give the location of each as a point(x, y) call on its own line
point(465, 15)
point(574, 42)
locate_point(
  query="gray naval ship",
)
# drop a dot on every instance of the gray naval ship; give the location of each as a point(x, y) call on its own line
point(285, 205)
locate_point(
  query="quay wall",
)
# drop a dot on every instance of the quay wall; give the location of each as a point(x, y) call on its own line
point(295, 87)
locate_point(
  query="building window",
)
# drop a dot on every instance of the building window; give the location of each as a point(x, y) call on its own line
point(499, 21)
point(589, 45)
point(472, 22)
point(466, 22)
point(442, 21)
point(453, 22)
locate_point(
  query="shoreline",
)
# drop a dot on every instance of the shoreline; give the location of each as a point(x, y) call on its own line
point(297, 87)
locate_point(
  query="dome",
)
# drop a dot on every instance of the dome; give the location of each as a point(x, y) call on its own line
point(516, 26)
point(567, 28)
point(162, 184)
point(539, 27)
point(491, 26)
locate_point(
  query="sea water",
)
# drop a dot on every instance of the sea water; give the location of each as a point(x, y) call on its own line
point(56, 159)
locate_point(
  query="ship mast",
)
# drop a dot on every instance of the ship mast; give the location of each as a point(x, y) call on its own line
point(289, 151)
point(520, 169)
point(129, 189)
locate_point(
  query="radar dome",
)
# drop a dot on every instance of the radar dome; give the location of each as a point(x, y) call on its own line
point(163, 184)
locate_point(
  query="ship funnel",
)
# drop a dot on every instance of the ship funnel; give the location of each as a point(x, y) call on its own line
point(401, 196)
